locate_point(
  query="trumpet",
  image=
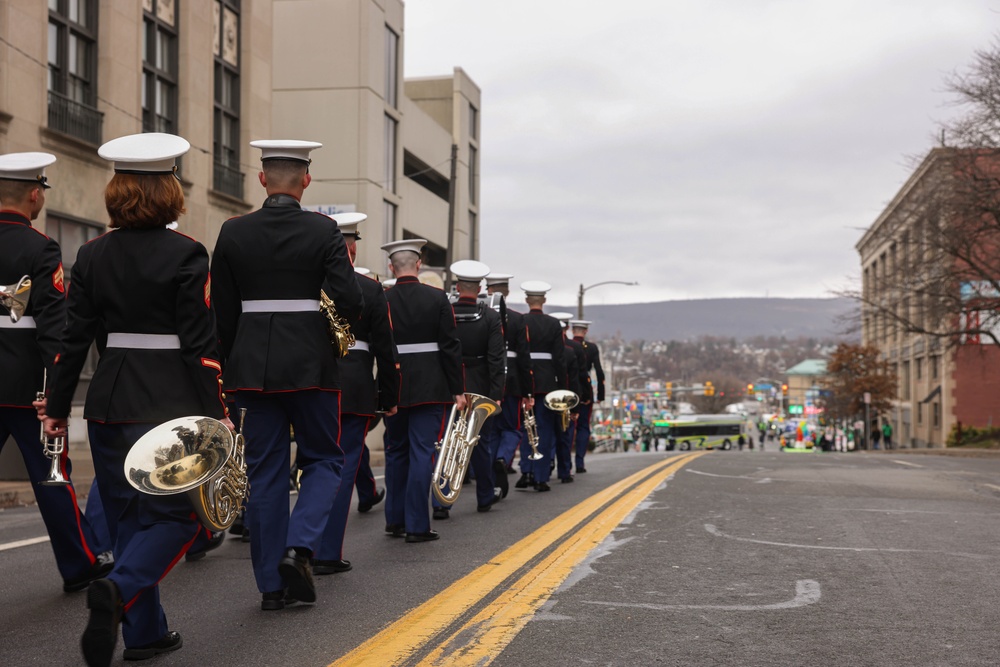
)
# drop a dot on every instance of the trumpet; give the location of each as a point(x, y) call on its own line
point(562, 401)
point(15, 297)
point(455, 448)
point(198, 456)
point(53, 448)
point(531, 430)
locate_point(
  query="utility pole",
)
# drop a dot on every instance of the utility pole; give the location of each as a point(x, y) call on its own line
point(579, 303)
point(452, 194)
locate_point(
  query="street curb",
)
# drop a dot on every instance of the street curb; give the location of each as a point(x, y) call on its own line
point(943, 451)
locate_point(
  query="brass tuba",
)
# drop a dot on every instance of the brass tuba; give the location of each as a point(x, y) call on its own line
point(194, 455)
point(562, 401)
point(15, 297)
point(531, 430)
point(455, 449)
point(340, 331)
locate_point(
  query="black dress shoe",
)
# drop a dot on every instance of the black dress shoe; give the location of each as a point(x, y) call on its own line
point(237, 526)
point(169, 642)
point(103, 564)
point(440, 513)
point(566, 480)
point(500, 473)
point(330, 566)
point(101, 634)
point(581, 470)
point(272, 601)
point(365, 507)
point(297, 575)
point(542, 486)
point(214, 542)
point(395, 529)
point(510, 470)
point(429, 536)
point(526, 480)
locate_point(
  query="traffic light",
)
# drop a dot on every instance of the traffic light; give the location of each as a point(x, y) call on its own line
point(670, 391)
point(750, 389)
point(784, 390)
point(709, 389)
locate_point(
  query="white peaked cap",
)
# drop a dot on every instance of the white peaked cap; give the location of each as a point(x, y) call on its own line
point(386, 284)
point(26, 167)
point(469, 270)
point(561, 316)
point(146, 153)
point(360, 270)
point(285, 149)
point(580, 324)
point(498, 278)
point(535, 287)
point(348, 223)
point(413, 245)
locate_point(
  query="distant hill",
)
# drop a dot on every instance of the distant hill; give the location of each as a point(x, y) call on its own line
point(738, 318)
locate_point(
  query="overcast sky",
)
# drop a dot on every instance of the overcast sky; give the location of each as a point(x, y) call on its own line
point(705, 148)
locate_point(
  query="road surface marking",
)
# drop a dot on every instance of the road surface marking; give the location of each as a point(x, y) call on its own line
point(718, 533)
point(906, 463)
point(758, 480)
point(23, 543)
point(412, 633)
point(992, 486)
point(482, 638)
point(807, 592)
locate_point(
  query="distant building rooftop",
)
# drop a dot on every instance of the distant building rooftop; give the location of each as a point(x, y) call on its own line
point(808, 367)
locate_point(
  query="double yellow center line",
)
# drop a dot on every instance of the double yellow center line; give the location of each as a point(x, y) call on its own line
point(478, 640)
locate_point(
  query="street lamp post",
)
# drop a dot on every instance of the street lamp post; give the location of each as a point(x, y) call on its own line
point(579, 298)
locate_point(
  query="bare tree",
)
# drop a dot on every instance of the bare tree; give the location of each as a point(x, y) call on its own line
point(852, 371)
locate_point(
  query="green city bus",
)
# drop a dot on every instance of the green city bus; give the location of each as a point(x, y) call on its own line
point(689, 432)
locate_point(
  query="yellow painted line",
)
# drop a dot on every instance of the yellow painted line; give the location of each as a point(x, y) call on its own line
point(407, 636)
point(487, 634)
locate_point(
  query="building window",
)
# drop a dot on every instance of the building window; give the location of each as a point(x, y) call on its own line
point(920, 413)
point(72, 75)
point(473, 122)
point(159, 66)
point(71, 234)
point(920, 369)
point(389, 177)
point(934, 367)
point(389, 225)
point(391, 68)
point(473, 235)
point(473, 160)
point(226, 176)
point(936, 407)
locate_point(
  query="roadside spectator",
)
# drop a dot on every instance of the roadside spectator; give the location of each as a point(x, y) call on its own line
point(876, 435)
point(887, 435)
point(741, 441)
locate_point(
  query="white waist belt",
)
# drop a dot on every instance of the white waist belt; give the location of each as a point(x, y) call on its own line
point(360, 345)
point(541, 355)
point(23, 323)
point(281, 305)
point(144, 341)
point(511, 354)
point(415, 348)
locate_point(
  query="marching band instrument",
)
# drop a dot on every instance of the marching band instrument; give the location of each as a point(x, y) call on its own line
point(340, 331)
point(15, 297)
point(53, 448)
point(455, 449)
point(531, 430)
point(562, 401)
point(199, 456)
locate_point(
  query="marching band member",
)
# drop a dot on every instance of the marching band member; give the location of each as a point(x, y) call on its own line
point(143, 292)
point(430, 369)
point(509, 434)
point(362, 396)
point(369, 495)
point(483, 360)
point(575, 363)
point(28, 349)
point(545, 339)
point(269, 267)
point(593, 355)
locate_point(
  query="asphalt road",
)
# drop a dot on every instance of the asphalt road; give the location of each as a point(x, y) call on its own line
point(728, 558)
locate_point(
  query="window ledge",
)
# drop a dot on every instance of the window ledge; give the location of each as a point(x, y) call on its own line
point(83, 150)
point(229, 201)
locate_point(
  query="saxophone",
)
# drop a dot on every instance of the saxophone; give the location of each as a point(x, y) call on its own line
point(340, 331)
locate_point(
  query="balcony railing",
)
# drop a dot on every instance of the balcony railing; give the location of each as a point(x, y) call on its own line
point(227, 180)
point(75, 119)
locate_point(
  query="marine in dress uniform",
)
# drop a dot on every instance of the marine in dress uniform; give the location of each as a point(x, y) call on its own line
point(430, 368)
point(593, 353)
point(575, 362)
point(28, 348)
point(142, 292)
point(548, 363)
point(509, 433)
point(363, 396)
point(269, 267)
point(483, 361)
